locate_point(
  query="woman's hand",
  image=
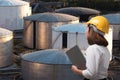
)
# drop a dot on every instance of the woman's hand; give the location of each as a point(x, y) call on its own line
point(76, 70)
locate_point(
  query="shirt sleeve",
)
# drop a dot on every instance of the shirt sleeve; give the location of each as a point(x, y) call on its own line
point(92, 62)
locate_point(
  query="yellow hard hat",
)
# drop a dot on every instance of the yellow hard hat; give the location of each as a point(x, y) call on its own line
point(100, 22)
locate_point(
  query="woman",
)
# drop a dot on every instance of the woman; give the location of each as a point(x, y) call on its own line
point(97, 54)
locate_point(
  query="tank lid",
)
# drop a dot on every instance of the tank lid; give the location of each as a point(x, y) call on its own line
point(12, 2)
point(77, 11)
point(5, 32)
point(50, 56)
point(51, 17)
point(113, 18)
point(72, 28)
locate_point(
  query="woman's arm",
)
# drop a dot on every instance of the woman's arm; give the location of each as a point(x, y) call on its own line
point(76, 70)
point(92, 62)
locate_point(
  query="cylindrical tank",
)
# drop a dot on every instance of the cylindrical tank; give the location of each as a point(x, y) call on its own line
point(114, 20)
point(69, 35)
point(12, 13)
point(38, 28)
point(6, 44)
point(51, 64)
point(82, 12)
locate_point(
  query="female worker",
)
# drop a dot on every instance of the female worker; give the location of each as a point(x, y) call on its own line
point(97, 54)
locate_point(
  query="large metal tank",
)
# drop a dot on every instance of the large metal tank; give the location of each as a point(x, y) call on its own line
point(51, 64)
point(12, 13)
point(114, 20)
point(6, 44)
point(69, 35)
point(38, 28)
point(82, 12)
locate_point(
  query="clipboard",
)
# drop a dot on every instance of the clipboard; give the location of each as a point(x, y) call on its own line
point(76, 57)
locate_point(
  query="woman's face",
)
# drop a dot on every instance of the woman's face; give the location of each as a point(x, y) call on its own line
point(87, 30)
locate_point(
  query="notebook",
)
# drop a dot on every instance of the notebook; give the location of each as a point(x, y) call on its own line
point(76, 57)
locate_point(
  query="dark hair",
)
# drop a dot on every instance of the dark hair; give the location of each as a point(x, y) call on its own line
point(96, 38)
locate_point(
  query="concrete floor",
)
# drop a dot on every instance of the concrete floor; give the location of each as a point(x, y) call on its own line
point(114, 69)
